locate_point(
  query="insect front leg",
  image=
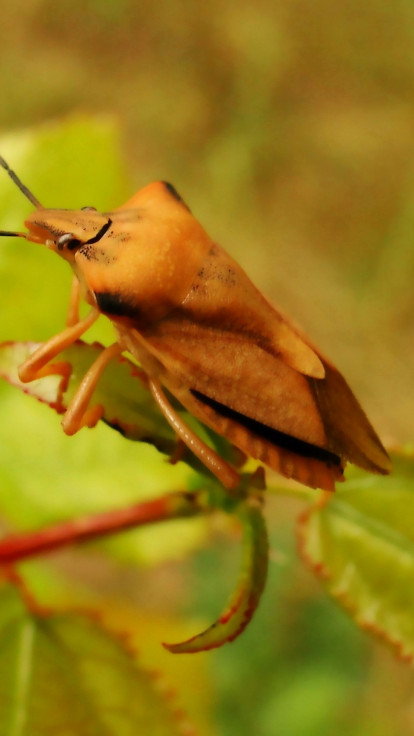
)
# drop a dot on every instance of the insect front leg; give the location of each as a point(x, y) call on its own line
point(74, 301)
point(79, 414)
point(38, 364)
point(219, 467)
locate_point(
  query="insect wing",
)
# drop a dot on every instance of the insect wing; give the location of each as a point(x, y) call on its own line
point(349, 431)
point(236, 363)
point(261, 405)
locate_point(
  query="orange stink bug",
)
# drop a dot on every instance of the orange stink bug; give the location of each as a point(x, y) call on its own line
point(203, 334)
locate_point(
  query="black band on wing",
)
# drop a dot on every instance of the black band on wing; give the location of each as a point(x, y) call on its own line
point(280, 439)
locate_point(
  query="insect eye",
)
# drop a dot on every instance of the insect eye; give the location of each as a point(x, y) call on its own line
point(69, 241)
point(88, 209)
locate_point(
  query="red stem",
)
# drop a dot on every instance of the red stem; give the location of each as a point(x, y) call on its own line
point(176, 505)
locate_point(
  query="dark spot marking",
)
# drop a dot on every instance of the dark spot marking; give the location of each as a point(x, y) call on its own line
point(217, 272)
point(114, 304)
point(280, 439)
point(172, 190)
point(89, 252)
point(92, 253)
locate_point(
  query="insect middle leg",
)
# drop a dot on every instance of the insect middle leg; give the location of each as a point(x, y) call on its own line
point(78, 413)
point(227, 475)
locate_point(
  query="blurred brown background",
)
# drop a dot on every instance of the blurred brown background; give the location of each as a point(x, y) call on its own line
point(287, 125)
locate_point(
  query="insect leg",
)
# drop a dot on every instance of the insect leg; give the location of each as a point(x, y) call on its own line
point(36, 366)
point(219, 467)
point(78, 414)
point(74, 299)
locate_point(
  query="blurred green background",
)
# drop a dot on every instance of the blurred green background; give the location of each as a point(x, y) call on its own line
point(288, 128)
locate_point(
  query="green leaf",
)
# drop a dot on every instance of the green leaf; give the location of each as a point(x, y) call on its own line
point(360, 541)
point(121, 391)
point(246, 596)
point(64, 674)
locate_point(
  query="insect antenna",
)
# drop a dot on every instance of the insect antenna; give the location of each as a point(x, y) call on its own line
point(11, 234)
point(24, 190)
point(27, 193)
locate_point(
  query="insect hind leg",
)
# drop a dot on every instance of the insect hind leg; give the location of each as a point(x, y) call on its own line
point(224, 472)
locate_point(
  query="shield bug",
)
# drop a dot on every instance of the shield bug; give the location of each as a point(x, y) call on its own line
point(204, 334)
